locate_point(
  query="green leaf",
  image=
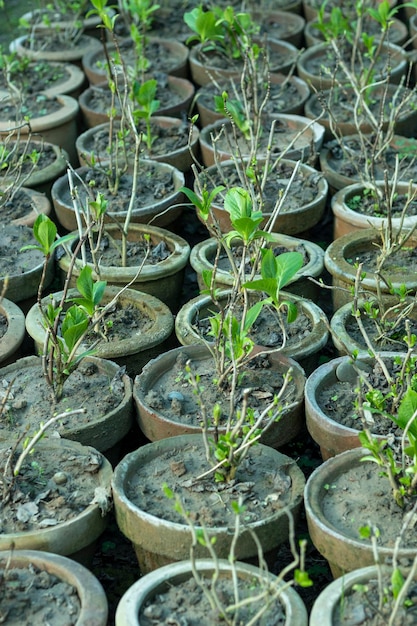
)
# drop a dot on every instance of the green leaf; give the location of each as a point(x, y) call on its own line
point(288, 264)
point(397, 582)
point(238, 203)
point(407, 408)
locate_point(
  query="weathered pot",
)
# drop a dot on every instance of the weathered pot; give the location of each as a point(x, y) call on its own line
point(344, 552)
point(287, 222)
point(68, 52)
point(70, 85)
point(203, 72)
point(160, 580)
point(333, 437)
point(303, 349)
point(137, 348)
point(13, 337)
point(294, 128)
point(339, 261)
point(180, 158)
point(181, 88)
point(37, 203)
point(156, 424)
point(58, 127)
point(158, 542)
point(159, 213)
point(347, 220)
point(163, 279)
point(102, 433)
point(75, 537)
point(203, 255)
point(93, 610)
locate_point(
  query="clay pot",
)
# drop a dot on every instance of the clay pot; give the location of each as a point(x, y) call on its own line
point(94, 61)
point(149, 587)
point(302, 349)
point(281, 25)
point(180, 157)
point(333, 437)
point(12, 339)
point(22, 287)
point(75, 537)
point(203, 255)
point(203, 72)
point(343, 123)
point(159, 213)
point(290, 127)
point(158, 541)
point(68, 52)
point(323, 51)
point(333, 601)
point(137, 348)
point(157, 425)
point(343, 552)
point(93, 610)
point(38, 203)
point(90, 23)
point(102, 433)
point(343, 317)
point(347, 220)
point(288, 222)
point(59, 127)
point(182, 95)
point(70, 85)
point(331, 160)
point(208, 114)
point(338, 261)
point(398, 32)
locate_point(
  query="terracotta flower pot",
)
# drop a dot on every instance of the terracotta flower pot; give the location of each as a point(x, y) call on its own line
point(64, 79)
point(203, 255)
point(157, 424)
point(90, 593)
point(340, 257)
point(293, 138)
point(332, 436)
point(67, 52)
point(163, 279)
point(343, 323)
point(294, 219)
point(281, 25)
point(14, 334)
point(303, 349)
point(159, 541)
point(149, 587)
point(347, 550)
point(203, 71)
point(347, 220)
point(160, 212)
point(94, 60)
point(165, 129)
point(180, 95)
point(58, 127)
point(75, 537)
point(138, 347)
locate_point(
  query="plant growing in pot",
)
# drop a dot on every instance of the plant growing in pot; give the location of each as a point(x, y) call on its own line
point(253, 266)
point(221, 586)
point(59, 376)
point(382, 474)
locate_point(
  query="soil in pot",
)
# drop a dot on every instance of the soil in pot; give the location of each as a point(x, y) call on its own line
point(31, 595)
point(22, 209)
point(13, 261)
point(89, 386)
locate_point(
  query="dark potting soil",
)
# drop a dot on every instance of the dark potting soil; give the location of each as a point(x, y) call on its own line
point(304, 186)
point(23, 153)
point(32, 106)
point(37, 76)
point(402, 263)
point(136, 251)
point(223, 262)
point(13, 260)
point(3, 325)
point(152, 185)
point(187, 603)
point(217, 59)
point(166, 141)
point(391, 338)
point(34, 596)
point(19, 206)
point(367, 204)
